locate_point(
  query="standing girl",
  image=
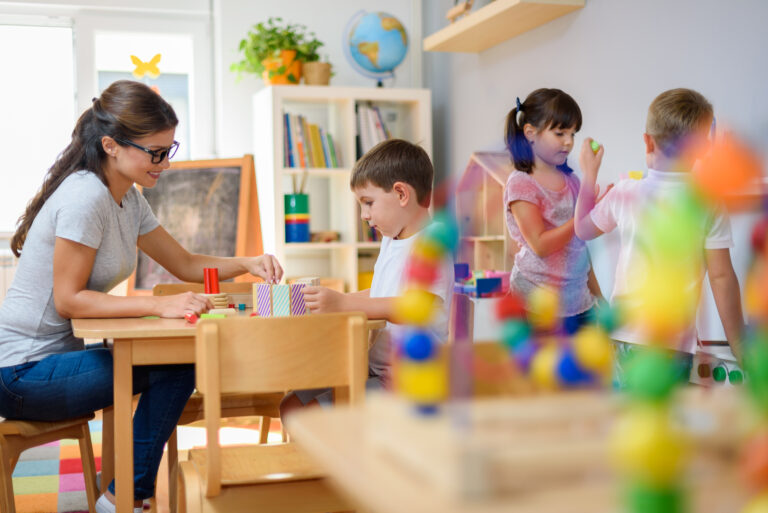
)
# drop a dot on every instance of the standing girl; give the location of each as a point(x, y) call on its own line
point(77, 240)
point(539, 199)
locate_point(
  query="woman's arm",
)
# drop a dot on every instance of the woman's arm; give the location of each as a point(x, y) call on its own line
point(542, 241)
point(161, 247)
point(72, 266)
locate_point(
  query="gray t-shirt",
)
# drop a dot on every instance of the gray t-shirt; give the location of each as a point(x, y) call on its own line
point(81, 210)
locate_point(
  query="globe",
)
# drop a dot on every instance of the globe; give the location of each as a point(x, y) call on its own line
point(375, 44)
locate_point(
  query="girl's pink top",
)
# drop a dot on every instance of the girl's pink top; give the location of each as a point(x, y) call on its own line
point(565, 270)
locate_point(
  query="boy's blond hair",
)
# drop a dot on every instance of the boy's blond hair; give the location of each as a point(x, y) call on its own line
point(395, 160)
point(675, 115)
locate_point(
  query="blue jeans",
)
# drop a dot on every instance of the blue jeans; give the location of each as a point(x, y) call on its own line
point(74, 384)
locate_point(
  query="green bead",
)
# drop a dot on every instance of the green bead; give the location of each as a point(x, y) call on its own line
point(151, 317)
point(595, 146)
point(736, 377)
point(719, 374)
point(607, 317)
point(514, 332)
point(642, 498)
point(212, 316)
point(651, 375)
point(756, 366)
point(444, 231)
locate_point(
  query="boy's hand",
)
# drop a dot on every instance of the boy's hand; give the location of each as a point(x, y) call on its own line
point(589, 160)
point(324, 300)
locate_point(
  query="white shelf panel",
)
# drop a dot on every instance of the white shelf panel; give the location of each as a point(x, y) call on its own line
point(332, 172)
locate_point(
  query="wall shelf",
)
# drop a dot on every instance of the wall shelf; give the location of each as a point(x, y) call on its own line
point(496, 22)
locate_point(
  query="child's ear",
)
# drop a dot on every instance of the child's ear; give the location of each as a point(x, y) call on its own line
point(403, 193)
point(529, 131)
point(650, 143)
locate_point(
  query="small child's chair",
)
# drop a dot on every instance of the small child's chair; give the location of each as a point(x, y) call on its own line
point(265, 406)
point(262, 355)
point(19, 435)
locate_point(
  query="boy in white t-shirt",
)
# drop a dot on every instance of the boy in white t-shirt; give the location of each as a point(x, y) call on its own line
point(676, 119)
point(393, 184)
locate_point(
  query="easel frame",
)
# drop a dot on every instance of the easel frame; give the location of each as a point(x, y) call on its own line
point(248, 241)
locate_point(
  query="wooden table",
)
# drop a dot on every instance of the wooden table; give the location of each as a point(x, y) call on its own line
point(346, 442)
point(137, 341)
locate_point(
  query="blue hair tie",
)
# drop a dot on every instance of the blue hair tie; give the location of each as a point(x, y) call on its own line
point(519, 112)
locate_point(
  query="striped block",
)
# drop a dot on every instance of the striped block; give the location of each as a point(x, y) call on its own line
point(281, 301)
point(297, 299)
point(264, 299)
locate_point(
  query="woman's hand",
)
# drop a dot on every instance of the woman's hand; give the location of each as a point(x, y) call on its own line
point(266, 267)
point(589, 160)
point(179, 304)
point(324, 300)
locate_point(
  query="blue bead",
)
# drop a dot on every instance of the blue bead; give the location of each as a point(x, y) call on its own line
point(418, 346)
point(570, 372)
point(524, 353)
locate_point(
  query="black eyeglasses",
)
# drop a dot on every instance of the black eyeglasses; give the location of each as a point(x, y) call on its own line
point(157, 155)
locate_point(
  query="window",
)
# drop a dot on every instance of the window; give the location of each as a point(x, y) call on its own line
point(37, 118)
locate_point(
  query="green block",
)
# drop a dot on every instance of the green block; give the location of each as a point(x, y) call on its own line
point(595, 146)
point(151, 317)
point(212, 316)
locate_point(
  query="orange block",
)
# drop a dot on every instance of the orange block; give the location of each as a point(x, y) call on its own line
point(37, 503)
point(728, 171)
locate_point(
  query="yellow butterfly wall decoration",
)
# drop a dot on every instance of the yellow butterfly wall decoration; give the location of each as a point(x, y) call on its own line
point(146, 68)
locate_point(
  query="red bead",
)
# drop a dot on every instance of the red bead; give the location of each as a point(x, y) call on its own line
point(759, 233)
point(190, 317)
point(254, 314)
point(510, 306)
point(419, 270)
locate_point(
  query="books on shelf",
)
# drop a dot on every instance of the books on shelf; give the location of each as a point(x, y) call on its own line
point(306, 144)
point(366, 233)
point(371, 128)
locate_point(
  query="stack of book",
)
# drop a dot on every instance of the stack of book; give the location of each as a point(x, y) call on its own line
point(371, 129)
point(308, 145)
point(366, 233)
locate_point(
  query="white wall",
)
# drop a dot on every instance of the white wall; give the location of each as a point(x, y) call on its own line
point(233, 18)
point(613, 57)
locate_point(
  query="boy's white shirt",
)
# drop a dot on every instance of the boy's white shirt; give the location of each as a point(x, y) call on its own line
point(622, 208)
point(389, 281)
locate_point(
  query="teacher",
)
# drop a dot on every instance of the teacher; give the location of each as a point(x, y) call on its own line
point(76, 241)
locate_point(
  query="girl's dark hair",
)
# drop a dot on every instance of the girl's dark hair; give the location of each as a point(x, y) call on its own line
point(126, 110)
point(544, 108)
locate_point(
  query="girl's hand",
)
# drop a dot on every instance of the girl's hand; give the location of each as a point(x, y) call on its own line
point(266, 267)
point(179, 304)
point(589, 160)
point(324, 300)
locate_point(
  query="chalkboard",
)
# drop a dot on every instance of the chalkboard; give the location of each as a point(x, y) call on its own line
point(209, 207)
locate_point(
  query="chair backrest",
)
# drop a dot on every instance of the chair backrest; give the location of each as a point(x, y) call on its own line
point(258, 355)
point(168, 289)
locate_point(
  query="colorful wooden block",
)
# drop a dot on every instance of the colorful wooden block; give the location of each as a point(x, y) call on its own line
point(281, 301)
point(298, 307)
point(263, 299)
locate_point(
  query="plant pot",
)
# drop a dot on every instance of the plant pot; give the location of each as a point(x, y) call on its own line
point(317, 73)
point(282, 70)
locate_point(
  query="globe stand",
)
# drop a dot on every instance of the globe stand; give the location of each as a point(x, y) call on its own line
point(379, 83)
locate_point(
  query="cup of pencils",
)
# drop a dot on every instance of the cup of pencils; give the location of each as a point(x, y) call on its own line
point(297, 217)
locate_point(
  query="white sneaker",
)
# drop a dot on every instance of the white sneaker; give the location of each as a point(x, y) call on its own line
point(104, 506)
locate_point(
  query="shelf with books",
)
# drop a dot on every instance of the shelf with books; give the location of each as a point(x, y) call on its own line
point(332, 205)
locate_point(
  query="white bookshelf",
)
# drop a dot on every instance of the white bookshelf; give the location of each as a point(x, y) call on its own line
point(332, 205)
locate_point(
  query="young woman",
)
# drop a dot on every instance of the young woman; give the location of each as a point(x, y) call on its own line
point(76, 241)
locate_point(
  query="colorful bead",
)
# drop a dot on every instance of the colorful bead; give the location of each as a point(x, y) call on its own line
point(418, 346)
point(423, 382)
point(415, 306)
point(593, 349)
point(543, 367)
point(543, 304)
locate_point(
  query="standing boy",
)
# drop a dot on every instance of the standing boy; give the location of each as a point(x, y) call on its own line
point(393, 185)
point(677, 120)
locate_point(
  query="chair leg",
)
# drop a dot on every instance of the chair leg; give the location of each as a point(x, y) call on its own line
point(190, 489)
point(173, 472)
point(7, 504)
point(264, 423)
point(89, 467)
point(107, 447)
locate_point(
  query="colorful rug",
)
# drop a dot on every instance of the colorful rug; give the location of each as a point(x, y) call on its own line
point(49, 478)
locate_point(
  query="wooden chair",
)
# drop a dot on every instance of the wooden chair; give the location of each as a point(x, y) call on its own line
point(265, 406)
point(19, 435)
point(240, 355)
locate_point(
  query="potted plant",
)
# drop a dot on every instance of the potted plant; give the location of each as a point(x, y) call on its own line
point(276, 51)
point(315, 72)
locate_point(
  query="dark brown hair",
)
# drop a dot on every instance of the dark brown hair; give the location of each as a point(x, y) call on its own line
point(674, 115)
point(125, 110)
point(393, 161)
point(543, 108)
